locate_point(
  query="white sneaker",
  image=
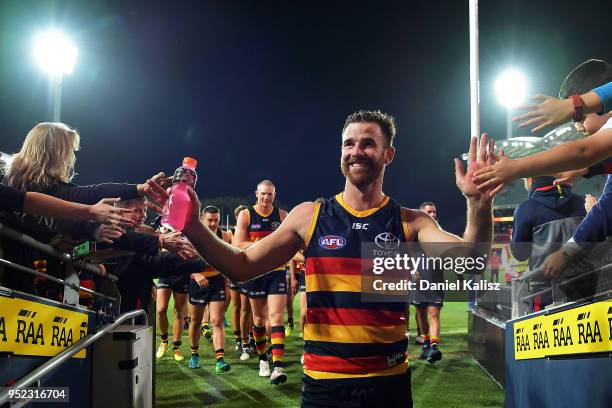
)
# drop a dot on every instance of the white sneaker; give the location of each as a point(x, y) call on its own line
point(264, 368)
point(302, 359)
point(245, 354)
point(278, 376)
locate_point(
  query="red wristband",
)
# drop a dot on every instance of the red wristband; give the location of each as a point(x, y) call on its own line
point(578, 108)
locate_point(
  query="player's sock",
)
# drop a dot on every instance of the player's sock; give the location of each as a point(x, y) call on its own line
point(426, 340)
point(434, 340)
point(164, 338)
point(219, 354)
point(259, 334)
point(237, 336)
point(176, 345)
point(194, 351)
point(278, 345)
point(245, 342)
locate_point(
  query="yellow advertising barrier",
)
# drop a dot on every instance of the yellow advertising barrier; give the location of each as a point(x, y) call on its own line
point(585, 329)
point(35, 329)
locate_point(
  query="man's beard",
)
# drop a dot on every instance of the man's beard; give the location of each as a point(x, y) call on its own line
point(373, 170)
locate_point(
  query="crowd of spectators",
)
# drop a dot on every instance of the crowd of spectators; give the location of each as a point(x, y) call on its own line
point(556, 230)
point(39, 199)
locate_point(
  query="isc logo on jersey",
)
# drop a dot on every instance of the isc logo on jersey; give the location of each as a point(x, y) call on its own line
point(332, 242)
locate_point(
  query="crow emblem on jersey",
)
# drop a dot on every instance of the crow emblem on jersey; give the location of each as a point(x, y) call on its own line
point(332, 242)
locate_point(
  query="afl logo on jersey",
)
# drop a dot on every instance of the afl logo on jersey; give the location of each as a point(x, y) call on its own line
point(274, 225)
point(332, 242)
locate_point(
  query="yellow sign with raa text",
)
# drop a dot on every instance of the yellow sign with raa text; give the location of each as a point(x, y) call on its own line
point(585, 329)
point(35, 329)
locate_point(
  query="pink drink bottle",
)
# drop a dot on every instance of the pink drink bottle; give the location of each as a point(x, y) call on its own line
point(178, 205)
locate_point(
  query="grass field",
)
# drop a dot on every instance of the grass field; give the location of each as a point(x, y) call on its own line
point(456, 381)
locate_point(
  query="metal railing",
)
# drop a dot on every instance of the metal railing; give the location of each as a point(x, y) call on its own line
point(49, 250)
point(567, 282)
point(71, 280)
point(523, 296)
point(54, 279)
point(65, 355)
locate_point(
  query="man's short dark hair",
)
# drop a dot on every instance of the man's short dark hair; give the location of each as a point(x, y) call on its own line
point(384, 120)
point(211, 209)
point(586, 76)
point(425, 204)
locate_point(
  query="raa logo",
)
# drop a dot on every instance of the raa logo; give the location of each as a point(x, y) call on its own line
point(274, 225)
point(332, 242)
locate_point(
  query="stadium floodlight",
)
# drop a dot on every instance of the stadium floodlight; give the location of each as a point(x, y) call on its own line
point(511, 88)
point(55, 54)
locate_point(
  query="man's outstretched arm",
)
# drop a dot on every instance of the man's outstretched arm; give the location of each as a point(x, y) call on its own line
point(573, 155)
point(240, 265)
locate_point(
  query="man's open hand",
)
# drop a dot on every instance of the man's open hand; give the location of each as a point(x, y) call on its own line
point(477, 159)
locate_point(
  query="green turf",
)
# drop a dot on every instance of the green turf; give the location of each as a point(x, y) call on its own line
point(456, 381)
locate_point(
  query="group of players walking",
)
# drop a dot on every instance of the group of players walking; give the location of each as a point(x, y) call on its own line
point(258, 305)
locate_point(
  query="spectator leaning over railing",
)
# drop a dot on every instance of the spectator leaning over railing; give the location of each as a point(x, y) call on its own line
point(45, 164)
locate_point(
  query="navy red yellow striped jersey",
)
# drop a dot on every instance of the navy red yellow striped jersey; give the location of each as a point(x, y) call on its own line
point(343, 336)
point(262, 225)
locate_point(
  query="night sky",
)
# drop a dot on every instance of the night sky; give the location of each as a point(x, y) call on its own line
point(258, 90)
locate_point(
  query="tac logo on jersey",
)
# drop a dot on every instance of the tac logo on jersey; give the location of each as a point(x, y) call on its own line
point(332, 242)
point(255, 226)
point(275, 225)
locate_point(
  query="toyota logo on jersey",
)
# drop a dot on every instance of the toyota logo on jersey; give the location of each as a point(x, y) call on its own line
point(387, 240)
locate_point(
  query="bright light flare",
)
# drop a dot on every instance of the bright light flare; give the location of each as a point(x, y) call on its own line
point(55, 53)
point(511, 88)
